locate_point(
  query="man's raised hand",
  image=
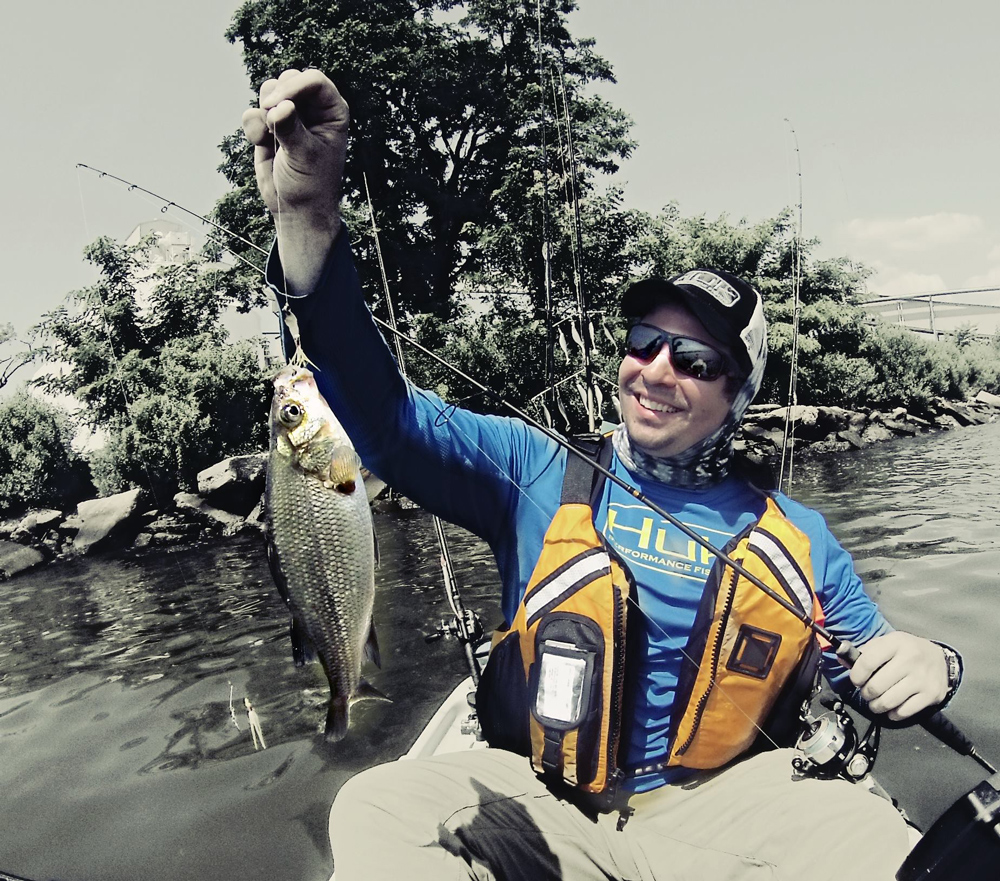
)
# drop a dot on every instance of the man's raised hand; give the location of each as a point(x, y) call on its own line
point(303, 110)
point(299, 133)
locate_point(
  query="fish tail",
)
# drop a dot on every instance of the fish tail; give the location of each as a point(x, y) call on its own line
point(337, 719)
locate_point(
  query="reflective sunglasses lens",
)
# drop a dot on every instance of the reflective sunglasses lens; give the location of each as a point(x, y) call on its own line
point(696, 359)
point(644, 342)
point(688, 356)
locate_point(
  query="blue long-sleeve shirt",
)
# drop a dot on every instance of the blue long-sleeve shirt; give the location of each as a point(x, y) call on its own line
point(501, 479)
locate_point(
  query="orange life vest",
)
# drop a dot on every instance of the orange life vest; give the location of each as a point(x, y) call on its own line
point(556, 687)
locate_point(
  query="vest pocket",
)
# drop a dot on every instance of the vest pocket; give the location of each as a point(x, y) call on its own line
point(565, 684)
point(502, 698)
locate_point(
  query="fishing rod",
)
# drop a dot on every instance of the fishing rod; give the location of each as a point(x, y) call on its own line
point(169, 203)
point(465, 621)
point(793, 380)
point(936, 724)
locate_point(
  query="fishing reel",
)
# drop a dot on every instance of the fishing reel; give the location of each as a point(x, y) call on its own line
point(470, 630)
point(830, 746)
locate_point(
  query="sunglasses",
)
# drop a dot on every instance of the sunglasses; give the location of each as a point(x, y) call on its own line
point(688, 356)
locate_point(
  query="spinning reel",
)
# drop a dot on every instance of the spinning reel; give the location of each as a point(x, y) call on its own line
point(830, 745)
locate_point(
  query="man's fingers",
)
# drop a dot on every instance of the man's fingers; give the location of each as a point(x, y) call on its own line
point(266, 88)
point(891, 698)
point(881, 681)
point(910, 707)
point(314, 94)
point(284, 121)
point(873, 656)
point(255, 127)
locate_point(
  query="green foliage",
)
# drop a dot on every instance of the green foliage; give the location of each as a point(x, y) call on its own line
point(38, 467)
point(208, 404)
point(446, 130)
point(146, 355)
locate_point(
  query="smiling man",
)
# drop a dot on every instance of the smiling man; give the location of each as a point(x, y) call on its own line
point(639, 696)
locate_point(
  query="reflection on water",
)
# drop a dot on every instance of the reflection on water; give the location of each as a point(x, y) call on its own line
point(122, 685)
point(121, 682)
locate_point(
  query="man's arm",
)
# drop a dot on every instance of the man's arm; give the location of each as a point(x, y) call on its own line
point(299, 133)
point(898, 673)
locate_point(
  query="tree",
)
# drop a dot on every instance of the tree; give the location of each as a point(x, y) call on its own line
point(13, 360)
point(446, 129)
point(146, 356)
point(38, 467)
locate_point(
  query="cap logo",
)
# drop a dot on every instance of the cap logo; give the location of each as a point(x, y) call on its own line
point(712, 284)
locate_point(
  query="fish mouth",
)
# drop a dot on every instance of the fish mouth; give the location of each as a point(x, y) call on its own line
point(292, 375)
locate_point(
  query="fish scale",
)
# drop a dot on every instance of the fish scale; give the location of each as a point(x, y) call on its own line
point(321, 540)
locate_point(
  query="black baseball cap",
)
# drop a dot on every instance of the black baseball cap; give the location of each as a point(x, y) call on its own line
point(730, 308)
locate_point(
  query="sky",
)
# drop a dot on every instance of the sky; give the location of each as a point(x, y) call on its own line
point(892, 105)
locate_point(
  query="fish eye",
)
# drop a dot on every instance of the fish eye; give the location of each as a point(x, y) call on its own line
point(290, 415)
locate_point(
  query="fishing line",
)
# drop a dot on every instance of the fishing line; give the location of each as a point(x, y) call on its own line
point(546, 220)
point(788, 438)
point(173, 554)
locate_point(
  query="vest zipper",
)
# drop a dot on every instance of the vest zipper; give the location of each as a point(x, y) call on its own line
point(716, 651)
point(614, 774)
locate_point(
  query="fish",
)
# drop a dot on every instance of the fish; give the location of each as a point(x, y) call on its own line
point(321, 541)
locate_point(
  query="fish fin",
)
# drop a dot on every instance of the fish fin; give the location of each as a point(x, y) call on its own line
point(277, 575)
point(367, 691)
point(337, 719)
point(372, 652)
point(344, 468)
point(303, 648)
point(375, 546)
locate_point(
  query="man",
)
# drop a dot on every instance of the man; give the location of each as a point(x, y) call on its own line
point(639, 674)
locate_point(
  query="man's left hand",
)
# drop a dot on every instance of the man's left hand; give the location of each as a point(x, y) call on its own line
point(900, 674)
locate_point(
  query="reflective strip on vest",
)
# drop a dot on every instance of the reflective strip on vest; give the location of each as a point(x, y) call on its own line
point(784, 567)
point(565, 581)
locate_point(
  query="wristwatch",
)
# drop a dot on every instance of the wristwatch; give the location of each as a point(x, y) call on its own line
point(954, 661)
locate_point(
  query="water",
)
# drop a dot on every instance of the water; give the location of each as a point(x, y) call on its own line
point(119, 758)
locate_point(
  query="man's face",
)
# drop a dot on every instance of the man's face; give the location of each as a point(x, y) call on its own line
point(666, 412)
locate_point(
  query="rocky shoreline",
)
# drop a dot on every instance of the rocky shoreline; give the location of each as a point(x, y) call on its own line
point(229, 498)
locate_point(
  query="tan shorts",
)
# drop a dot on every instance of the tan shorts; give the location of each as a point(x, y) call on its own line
point(484, 814)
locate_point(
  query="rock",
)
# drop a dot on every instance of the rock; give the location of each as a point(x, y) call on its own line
point(875, 433)
point(806, 421)
point(373, 485)
point(111, 521)
point(15, 558)
point(770, 436)
point(946, 421)
point(37, 523)
point(257, 518)
point(961, 414)
point(834, 418)
point(828, 445)
point(921, 424)
point(984, 397)
point(900, 427)
point(230, 523)
point(235, 484)
point(852, 438)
